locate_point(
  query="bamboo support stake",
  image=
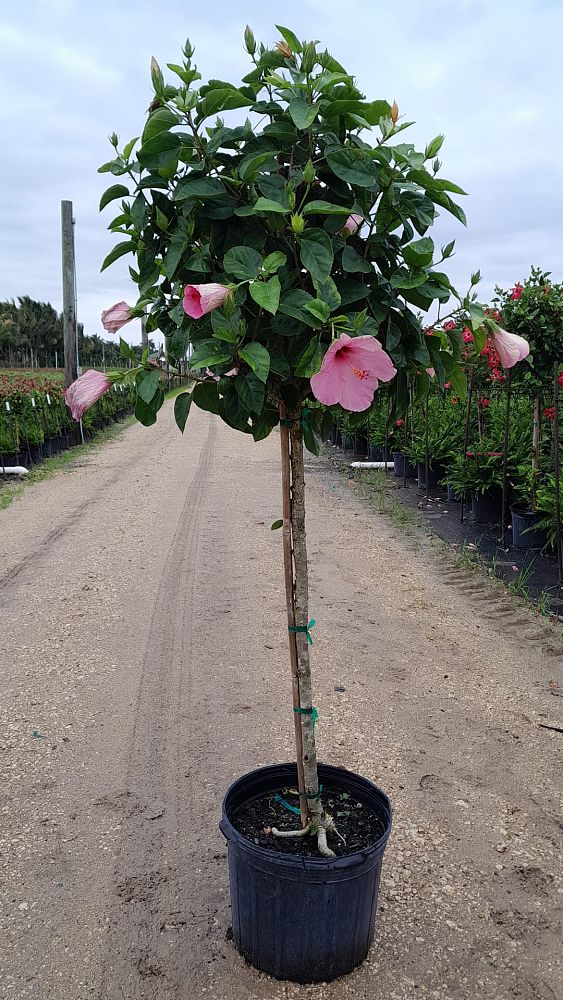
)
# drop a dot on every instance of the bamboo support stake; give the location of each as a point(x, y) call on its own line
point(466, 438)
point(536, 447)
point(505, 458)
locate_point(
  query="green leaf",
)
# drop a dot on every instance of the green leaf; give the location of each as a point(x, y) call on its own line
point(352, 262)
point(146, 412)
point(274, 261)
point(316, 253)
point(319, 310)
point(328, 292)
point(244, 262)
point(160, 151)
point(302, 113)
point(294, 303)
point(249, 168)
point(267, 293)
point(407, 279)
point(458, 379)
point(309, 439)
point(148, 385)
point(161, 120)
point(173, 255)
point(257, 358)
point(251, 392)
point(199, 187)
point(310, 361)
point(223, 100)
point(125, 350)
point(113, 192)
point(352, 165)
point(119, 251)
point(208, 353)
point(182, 405)
point(277, 524)
point(433, 147)
point(206, 396)
point(267, 205)
point(291, 39)
point(419, 253)
point(324, 208)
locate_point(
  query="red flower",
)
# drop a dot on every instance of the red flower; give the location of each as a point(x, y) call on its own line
point(560, 379)
point(549, 412)
point(449, 325)
point(484, 402)
point(399, 423)
point(516, 292)
point(447, 385)
point(468, 336)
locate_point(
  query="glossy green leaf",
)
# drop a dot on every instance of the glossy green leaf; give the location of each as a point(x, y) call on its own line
point(209, 353)
point(182, 405)
point(316, 253)
point(419, 253)
point(257, 358)
point(291, 38)
point(310, 361)
point(206, 396)
point(113, 192)
point(119, 251)
point(352, 165)
point(302, 113)
point(324, 208)
point(274, 261)
point(243, 262)
point(147, 384)
point(277, 524)
point(268, 205)
point(267, 293)
point(354, 263)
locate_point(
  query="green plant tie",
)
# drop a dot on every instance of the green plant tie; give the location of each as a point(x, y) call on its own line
point(287, 805)
point(286, 422)
point(313, 712)
point(310, 795)
point(303, 628)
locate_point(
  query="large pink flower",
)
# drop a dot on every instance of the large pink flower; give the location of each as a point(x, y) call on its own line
point(352, 224)
point(202, 299)
point(350, 372)
point(510, 347)
point(83, 393)
point(116, 316)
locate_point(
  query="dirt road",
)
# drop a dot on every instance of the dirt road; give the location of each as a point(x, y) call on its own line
point(144, 666)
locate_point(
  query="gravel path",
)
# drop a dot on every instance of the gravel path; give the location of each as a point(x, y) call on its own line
point(144, 666)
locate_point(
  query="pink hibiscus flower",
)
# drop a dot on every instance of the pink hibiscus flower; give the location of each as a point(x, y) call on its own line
point(352, 224)
point(85, 391)
point(201, 299)
point(510, 347)
point(116, 316)
point(351, 371)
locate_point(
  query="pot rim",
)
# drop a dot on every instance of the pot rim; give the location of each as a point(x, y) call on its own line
point(312, 865)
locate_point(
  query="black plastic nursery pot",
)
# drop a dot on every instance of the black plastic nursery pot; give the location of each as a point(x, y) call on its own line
point(36, 453)
point(486, 507)
point(361, 445)
point(10, 460)
point(400, 460)
point(525, 534)
point(436, 472)
point(304, 919)
point(453, 497)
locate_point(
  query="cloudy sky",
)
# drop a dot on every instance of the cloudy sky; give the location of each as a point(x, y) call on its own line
point(487, 73)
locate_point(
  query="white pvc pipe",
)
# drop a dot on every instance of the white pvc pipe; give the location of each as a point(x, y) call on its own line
point(13, 470)
point(371, 465)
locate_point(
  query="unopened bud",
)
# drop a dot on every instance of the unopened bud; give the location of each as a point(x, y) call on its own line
point(297, 223)
point(309, 57)
point(309, 172)
point(285, 50)
point(394, 113)
point(249, 41)
point(229, 304)
point(156, 75)
point(291, 199)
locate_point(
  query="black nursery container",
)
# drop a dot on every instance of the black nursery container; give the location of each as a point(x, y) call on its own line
point(486, 507)
point(525, 534)
point(436, 472)
point(400, 460)
point(307, 920)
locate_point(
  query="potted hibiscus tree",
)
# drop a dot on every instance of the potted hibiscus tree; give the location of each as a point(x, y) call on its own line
point(285, 249)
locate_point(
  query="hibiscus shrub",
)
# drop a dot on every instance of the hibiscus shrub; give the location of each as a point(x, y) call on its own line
point(272, 245)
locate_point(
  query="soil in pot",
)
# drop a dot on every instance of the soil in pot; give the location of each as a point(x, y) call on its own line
point(525, 534)
point(355, 821)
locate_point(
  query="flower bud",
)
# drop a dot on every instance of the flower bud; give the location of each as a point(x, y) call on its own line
point(309, 57)
point(285, 50)
point(156, 75)
point(309, 172)
point(291, 199)
point(297, 223)
point(394, 113)
point(249, 41)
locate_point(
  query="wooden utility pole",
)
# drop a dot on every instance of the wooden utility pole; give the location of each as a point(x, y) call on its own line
point(69, 293)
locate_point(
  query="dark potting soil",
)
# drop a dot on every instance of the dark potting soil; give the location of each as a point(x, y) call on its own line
point(356, 822)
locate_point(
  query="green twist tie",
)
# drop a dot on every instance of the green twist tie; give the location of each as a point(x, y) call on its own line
point(303, 628)
point(311, 795)
point(313, 712)
point(287, 805)
point(286, 422)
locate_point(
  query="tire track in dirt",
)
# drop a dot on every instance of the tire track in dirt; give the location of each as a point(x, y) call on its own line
point(146, 916)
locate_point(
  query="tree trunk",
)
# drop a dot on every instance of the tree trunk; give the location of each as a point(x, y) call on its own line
point(297, 595)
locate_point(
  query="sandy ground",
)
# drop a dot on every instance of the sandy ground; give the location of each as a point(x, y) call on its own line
point(144, 666)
